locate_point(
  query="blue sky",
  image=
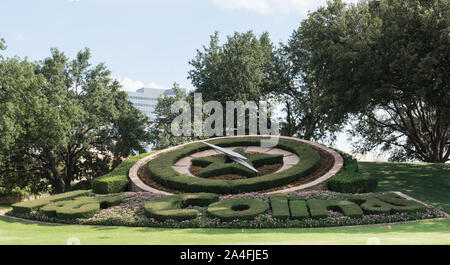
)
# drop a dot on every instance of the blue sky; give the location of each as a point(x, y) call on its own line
point(144, 43)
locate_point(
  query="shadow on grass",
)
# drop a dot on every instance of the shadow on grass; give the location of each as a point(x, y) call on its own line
point(429, 183)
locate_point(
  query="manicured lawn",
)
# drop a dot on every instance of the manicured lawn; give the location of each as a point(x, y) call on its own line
point(427, 182)
point(425, 232)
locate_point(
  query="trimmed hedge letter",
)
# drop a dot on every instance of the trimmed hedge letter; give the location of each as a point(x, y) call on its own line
point(387, 204)
point(400, 204)
point(280, 206)
point(298, 209)
point(171, 207)
point(81, 207)
point(319, 208)
point(238, 208)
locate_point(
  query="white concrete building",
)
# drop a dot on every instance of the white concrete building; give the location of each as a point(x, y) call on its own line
point(146, 99)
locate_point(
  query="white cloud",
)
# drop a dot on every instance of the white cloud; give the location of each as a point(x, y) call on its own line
point(272, 7)
point(133, 85)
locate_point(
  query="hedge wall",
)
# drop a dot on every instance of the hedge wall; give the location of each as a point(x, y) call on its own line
point(350, 180)
point(162, 172)
point(117, 180)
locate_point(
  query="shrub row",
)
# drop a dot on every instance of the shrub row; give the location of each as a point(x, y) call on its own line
point(283, 207)
point(162, 172)
point(117, 180)
point(350, 180)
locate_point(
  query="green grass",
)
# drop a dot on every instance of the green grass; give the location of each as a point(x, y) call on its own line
point(426, 182)
point(425, 232)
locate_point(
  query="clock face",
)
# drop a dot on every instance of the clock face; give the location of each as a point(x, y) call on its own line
point(214, 164)
point(293, 164)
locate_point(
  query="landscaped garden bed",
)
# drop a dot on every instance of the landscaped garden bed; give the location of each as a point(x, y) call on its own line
point(192, 203)
point(296, 209)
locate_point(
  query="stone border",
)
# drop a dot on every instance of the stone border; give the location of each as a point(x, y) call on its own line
point(137, 184)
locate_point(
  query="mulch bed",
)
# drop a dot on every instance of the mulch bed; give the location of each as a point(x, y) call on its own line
point(325, 164)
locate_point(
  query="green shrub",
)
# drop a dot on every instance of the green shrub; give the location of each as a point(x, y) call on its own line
point(206, 161)
point(172, 207)
point(109, 201)
point(81, 185)
point(400, 204)
point(298, 209)
point(349, 181)
point(387, 204)
point(267, 159)
point(51, 208)
point(220, 169)
point(79, 207)
point(238, 208)
point(54, 209)
point(32, 205)
point(117, 180)
point(372, 205)
point(319, 208)
point(280, 206)
point(163, 173)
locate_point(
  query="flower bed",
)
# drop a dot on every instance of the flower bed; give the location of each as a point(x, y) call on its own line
point(131, 213)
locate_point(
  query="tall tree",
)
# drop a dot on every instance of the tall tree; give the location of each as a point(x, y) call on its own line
point(387, 62)
point(63, 120)
point(237, 70)
point(161, 135)
point(299, 90)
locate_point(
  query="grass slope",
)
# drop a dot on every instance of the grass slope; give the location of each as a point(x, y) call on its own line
point(426, 232)
point(426, 182)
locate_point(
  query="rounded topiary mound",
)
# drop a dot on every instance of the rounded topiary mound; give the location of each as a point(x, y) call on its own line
point(162, 172)
point(238, 208)
point(350, 180)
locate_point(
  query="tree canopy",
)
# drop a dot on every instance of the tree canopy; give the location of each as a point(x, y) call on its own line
point(236, 70)
point(63, 120)
point(387, 63)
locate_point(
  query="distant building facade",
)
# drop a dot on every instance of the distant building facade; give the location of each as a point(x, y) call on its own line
point(146, 99)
